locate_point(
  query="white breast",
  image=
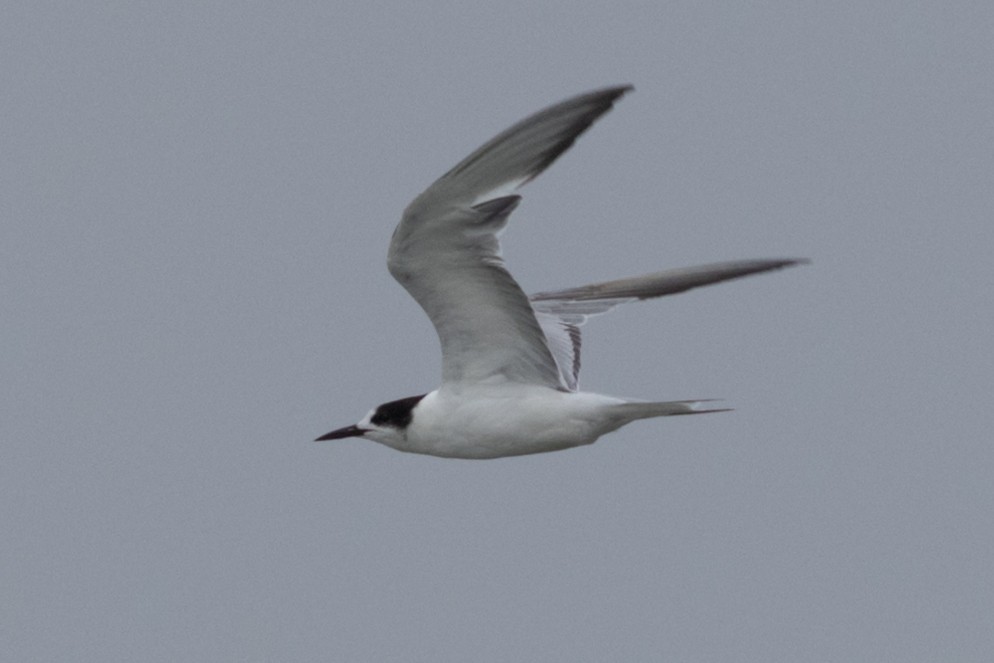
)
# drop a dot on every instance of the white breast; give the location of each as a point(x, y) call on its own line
point(507, 419)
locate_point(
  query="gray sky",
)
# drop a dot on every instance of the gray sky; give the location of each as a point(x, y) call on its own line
point(197, 200)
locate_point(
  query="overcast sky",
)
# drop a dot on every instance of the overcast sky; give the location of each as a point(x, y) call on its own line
point(197, 199)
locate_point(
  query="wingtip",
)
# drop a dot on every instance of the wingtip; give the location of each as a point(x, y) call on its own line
point(779, 263)
point(531, 145)
point(593, 106)
point(621, 89)
point(612, 91)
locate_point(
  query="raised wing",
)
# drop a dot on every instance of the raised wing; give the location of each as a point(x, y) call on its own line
point(561, 313)
point(446, 253)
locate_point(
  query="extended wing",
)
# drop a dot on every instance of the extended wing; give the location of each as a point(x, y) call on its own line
point(561, 313)
point(446, 252)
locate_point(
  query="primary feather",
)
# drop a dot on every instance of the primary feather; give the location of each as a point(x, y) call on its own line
point(446, 253)
point(561, 313)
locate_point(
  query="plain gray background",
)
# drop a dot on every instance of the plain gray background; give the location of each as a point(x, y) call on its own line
point(197, 199)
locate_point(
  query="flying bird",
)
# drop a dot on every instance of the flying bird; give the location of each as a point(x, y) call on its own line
point(510, 361)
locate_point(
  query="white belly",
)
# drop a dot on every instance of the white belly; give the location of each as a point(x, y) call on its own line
point(507, 420)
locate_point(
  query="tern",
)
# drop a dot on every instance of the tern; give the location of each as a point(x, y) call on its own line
point(510, 361)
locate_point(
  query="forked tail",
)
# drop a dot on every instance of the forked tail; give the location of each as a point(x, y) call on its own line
point(636, 410)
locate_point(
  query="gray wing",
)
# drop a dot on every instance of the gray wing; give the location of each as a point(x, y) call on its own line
point(446, 252)
point(561, 313)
